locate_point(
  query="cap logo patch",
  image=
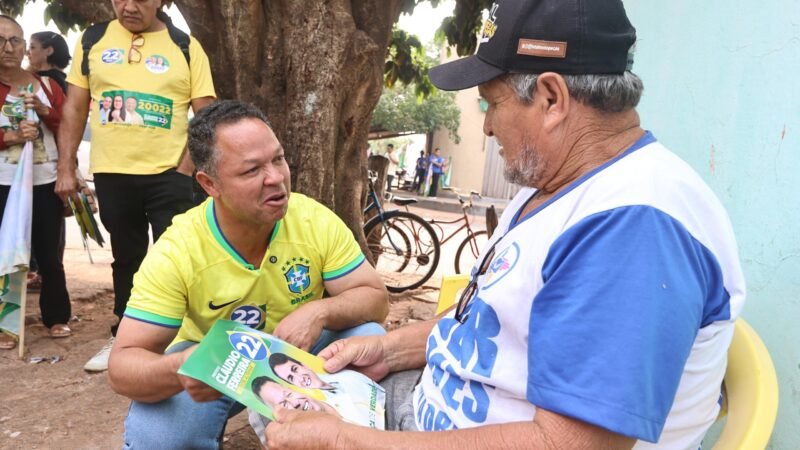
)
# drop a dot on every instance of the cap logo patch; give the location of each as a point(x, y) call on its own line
point(545, 49)
point(490, 25)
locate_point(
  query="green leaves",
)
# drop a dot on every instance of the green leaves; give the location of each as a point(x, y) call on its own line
point(13, 8)
point(462, 28)
point(407, 63)
point(64, 19)
point(402, 110)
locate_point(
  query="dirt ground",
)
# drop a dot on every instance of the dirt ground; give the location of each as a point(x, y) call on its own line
point(60, 406)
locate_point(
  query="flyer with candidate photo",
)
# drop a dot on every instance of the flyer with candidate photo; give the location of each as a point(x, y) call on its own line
point(261, 372)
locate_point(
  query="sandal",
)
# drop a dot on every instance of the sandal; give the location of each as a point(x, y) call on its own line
point(34, 282)
point(60, 330)
point(7, 342)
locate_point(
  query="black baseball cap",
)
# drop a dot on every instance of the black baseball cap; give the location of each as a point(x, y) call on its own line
point(535, 36)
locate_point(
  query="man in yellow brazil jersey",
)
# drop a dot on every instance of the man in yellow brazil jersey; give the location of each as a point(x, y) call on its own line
point(254, 253)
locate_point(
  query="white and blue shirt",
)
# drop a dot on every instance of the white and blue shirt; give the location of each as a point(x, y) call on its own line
point(612, 303)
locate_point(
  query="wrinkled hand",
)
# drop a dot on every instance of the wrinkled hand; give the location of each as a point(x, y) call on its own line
point(303, 429)
point(33, 102)
point(28, 131)
point(199, 391)
point(303, 326)
point(362, 353)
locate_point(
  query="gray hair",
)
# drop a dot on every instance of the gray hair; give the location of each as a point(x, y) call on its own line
point(203, 130)
point(609, 93)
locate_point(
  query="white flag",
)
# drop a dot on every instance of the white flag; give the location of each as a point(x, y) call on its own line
point(15, 232)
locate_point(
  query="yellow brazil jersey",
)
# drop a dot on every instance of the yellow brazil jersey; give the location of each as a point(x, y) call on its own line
point(192, 276)
point(141, 98)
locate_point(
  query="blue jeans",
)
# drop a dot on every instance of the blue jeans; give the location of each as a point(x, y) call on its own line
point(181, 423)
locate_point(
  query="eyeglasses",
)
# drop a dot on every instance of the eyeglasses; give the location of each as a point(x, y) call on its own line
point(15, 42)
point(134, 55)
point(470, 291)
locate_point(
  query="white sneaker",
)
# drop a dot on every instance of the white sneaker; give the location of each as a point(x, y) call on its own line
point(99, 362)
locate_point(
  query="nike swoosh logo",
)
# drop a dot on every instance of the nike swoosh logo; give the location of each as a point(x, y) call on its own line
point(214, 307)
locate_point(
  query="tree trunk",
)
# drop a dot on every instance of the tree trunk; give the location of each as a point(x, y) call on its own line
point(316, 69)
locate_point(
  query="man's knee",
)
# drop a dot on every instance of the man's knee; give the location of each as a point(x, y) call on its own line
point(174, 424)
point(366, 329)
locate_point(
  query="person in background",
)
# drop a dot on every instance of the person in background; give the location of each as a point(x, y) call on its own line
point(48, 210)
point(48, 56)
point(437, 167)
point(392, 169)
point(142, 174)
point(420, 168)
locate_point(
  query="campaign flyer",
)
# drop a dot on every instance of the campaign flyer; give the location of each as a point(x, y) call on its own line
point(262, 372)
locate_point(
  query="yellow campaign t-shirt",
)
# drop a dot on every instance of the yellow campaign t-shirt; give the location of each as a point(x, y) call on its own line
point(139, 115)
point(192, 277)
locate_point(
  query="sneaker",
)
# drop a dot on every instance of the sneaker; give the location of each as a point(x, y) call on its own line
point(99, 362)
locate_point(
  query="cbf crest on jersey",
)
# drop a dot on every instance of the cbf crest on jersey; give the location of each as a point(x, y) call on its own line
point(296, 272)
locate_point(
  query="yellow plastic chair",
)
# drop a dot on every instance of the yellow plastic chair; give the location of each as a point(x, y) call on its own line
point(751, 387)
point(447, 293)
point(751, 392)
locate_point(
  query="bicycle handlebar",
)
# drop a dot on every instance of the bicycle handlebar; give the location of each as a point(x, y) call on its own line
point(464, 204)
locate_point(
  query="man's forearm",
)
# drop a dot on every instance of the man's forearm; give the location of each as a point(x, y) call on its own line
point(553, 433)
point(404, 348)
point(522, 435)
point(70, 133)
point(355, 307)
point(145, 376)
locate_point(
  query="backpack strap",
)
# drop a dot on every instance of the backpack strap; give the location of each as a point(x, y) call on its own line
point(178, 36)
point(90, 37)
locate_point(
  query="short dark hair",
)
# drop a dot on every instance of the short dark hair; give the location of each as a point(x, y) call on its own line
point(60, 56)
point(203, 129)
point(390, 145)
point(258, 383)
point(276, 359)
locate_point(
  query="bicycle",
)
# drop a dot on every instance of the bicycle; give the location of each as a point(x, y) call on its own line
point(404, 246)
point(471, 246)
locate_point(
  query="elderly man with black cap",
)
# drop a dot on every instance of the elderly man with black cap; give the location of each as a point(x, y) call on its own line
point(601, 311)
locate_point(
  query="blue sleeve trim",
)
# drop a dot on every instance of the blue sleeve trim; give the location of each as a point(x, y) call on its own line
point(151, 322)
point(345, 270)
point(625, 293)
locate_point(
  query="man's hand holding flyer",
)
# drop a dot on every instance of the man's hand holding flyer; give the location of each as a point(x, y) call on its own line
point(263, 372)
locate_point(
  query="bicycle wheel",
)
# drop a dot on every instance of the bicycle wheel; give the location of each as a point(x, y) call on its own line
point(390, 245)
point(405, 249)
point(469, 249)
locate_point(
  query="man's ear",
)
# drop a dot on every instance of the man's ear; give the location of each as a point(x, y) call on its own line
point(552, 91)
point(207, 183)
